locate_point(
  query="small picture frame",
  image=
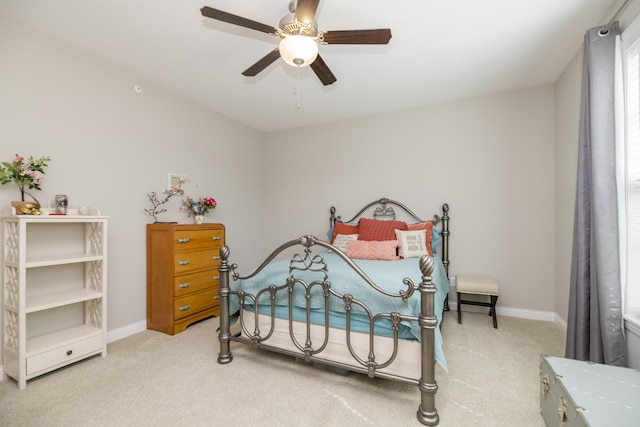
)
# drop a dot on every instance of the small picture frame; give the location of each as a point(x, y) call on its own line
point(175, 181)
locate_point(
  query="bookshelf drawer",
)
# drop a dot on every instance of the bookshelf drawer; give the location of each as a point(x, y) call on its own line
point(64, 354)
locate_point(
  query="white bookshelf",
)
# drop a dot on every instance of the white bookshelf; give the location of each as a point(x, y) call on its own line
point(55, 291)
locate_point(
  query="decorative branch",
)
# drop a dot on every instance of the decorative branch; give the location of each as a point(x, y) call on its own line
point(156, 210)
point(157, 203)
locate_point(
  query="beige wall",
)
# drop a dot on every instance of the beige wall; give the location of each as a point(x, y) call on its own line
point(111, 145)
point(567, 123)
point(490, 158)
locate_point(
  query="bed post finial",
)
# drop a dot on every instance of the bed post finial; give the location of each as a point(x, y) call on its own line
point(224, 335)
point(427, 265)
point(224, 253)
point(332, 217)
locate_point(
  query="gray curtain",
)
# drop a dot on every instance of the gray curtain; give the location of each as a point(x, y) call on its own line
point(594, 327)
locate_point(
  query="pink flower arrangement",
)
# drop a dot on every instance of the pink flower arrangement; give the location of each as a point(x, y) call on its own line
point(200, 206)
point(26, 175)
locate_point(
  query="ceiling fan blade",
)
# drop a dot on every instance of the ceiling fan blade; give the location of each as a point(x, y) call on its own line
point(322, 71)
point(306, 10)
point(380, 36)
point(262, 64)
point(220, 15)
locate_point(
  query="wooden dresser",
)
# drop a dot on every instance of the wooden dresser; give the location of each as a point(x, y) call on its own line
point(182, 274)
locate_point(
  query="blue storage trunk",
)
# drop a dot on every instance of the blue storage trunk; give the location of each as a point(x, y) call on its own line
point(577, 393)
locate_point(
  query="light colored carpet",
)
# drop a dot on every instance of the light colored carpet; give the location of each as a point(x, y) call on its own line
point(152, 379)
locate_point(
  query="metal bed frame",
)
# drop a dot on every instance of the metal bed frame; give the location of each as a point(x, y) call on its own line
point(313, 261)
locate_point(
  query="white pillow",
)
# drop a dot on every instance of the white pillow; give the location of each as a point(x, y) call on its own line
point(342, 241)
point(413, 243)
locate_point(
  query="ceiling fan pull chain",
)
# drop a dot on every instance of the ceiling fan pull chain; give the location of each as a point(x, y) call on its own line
point(296, 90)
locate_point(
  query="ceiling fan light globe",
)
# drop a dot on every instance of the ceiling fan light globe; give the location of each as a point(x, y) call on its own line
point(298, 50)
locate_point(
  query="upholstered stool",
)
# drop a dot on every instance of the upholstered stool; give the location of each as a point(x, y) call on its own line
point(478, 285)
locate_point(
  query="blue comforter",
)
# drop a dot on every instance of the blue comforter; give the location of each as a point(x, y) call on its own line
point(388, 275)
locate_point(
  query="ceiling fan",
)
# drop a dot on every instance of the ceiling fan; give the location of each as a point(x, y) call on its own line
point(299, 36)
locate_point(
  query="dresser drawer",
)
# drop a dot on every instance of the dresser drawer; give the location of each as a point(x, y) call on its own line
point(192, 304)
point(63, 354)
point(196, 282)
point(197, 260)
point(186, 240)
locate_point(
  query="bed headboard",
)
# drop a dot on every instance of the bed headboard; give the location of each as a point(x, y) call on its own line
point(384, 209)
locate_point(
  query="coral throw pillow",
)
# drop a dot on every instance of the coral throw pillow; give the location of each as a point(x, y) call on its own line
point(379, 230)
point(379, 250)
point(341, 228)
point(427, 226)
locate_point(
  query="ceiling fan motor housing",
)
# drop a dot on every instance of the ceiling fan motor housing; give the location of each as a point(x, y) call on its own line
point(289, 25)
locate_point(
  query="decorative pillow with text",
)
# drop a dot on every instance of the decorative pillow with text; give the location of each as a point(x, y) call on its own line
point(413, 244)
point(428, 227)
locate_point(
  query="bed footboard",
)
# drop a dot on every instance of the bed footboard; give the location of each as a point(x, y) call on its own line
point(427, 321)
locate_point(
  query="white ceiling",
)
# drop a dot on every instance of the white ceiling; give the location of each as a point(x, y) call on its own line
point(439, 51)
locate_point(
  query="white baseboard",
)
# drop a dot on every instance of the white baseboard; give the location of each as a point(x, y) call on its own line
point(559, 320)
point(125, 331)
point(547, 316)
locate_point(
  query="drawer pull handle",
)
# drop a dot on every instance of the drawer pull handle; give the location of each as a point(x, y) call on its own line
point(184, 240)
point(216, 297)
point(184, 262)
point(69, 352)
point(217, 257)
point(217, 237)
point(216, 277)
point(185, 307)
point(184, 285)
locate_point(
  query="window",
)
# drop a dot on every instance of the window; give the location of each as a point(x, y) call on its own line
point(630, 239)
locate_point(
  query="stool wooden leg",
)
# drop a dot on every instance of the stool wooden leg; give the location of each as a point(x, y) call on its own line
point(459, 312)
point(494, 299)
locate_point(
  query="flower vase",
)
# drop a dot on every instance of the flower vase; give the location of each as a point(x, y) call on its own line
point(26, 208)
point(200, 219)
